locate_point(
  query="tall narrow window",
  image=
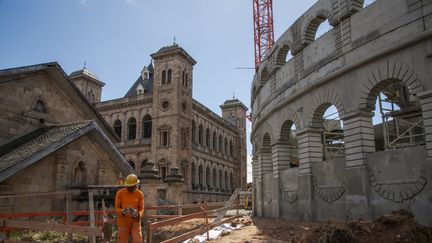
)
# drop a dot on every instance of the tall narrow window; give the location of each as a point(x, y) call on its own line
point(231, 148)
point(118, 128)
point(132, 164)
point(226, 147)
point(169, 76)
point(183, 78)
point(220, 144)
point(186, 80)
point(214, 141)
point(200, 134)
point(147, 126)
point(131, 128)
point(163, 77)
point(164, 137)
point(207, 138)
point(194, 132)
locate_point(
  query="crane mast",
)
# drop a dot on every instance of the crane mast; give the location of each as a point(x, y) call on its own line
point(263, 29)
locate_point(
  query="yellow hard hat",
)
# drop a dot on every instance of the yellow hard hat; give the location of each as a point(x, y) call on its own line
point(131, 180)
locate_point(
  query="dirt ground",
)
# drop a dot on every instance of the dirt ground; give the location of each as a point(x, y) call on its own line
point(397, 227)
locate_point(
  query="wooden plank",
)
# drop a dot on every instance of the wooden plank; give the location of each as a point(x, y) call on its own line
point(167, 222)
point(50, 227)
point(193, 233)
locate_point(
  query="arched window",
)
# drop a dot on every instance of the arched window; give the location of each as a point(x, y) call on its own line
point(183, 78)
point(194, 182)
point(147, 126)
point(226, 180)
point(40, 106)
point(220, 144)
point(200, 176)
point(186, 80)
point(163, 77)
point(231, 148)
point(231, 181)
point(169, 76)
point(131, 128)
point(214, 177)
point(118, 128)
point(200, 134)
point(207, 139)
point(208, 178)
point(214, 141)
point(226, 147)
point(220, 179)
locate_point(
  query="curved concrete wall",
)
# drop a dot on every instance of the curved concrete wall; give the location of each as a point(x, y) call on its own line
point(367, 49)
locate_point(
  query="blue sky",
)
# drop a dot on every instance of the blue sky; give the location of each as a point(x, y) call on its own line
point(116, 38)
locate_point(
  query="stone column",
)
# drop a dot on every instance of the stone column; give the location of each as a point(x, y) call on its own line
point(359, 141)
point(280, 161)
point(310, 151)
point(175, 187)
point(149, 181)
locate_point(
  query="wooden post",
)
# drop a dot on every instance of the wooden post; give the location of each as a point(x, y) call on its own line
point(206, 220)
point(92, 238)
point(148, 235)
point(68, 217)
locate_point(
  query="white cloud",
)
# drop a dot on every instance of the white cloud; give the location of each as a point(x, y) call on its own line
point(84, 2)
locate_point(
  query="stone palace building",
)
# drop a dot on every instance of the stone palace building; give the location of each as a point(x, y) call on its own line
point(158, 120)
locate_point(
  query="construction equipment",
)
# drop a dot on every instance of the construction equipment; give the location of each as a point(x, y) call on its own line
point(263, 29)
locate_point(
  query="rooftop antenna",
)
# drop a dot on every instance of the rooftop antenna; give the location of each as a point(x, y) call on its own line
point(174, 40)
point(233, 95)
point(85, 64)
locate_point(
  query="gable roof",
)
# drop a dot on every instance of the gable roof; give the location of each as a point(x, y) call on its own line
point(34, 146)
point(54, 71)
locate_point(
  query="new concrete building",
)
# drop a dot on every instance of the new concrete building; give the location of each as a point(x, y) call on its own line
point(376, 61)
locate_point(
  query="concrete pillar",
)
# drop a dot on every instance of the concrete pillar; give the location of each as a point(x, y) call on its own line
point(149, 182)
point(175, 183)
point(426, 106)
point(280, 161)
point(359, 141)
point(310, 151)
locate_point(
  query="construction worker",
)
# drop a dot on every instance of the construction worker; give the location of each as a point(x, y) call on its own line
point(129, 205)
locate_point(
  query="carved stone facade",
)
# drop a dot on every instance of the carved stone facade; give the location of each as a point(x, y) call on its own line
point(158, 120)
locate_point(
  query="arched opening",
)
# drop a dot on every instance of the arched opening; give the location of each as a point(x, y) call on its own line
point(231, 148)
point(132, 164)
point(200, 134)
point(266, 157)
point(220, 180)
point(207, 138)
point(398, 119)
point(164, 77)
point(200, 177)
point(332, 137)
point(208, 178)
point(214, 178)
point(317, 27)
point(194, 172)
point(226, 181)
point(184, 169)
point(231, 181)
point(169, 76)
point(131, 128)
point(117, 126)
point(220, 144)
point(40, 106)
point(214, 141)
point(289, 145)
point(284, 55)
point(226, 146)
point(147, 126)
point(194, 132)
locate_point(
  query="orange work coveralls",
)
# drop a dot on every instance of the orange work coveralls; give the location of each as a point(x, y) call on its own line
point(126, 224)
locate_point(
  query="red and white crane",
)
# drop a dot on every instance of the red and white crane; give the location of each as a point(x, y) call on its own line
point(263, 29)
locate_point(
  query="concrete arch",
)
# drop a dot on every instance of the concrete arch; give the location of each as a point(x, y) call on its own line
point(287, 114)
point(264, 75)
point(312, 24)
point(282, 52)
point(384, 75)
point(322, 101)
